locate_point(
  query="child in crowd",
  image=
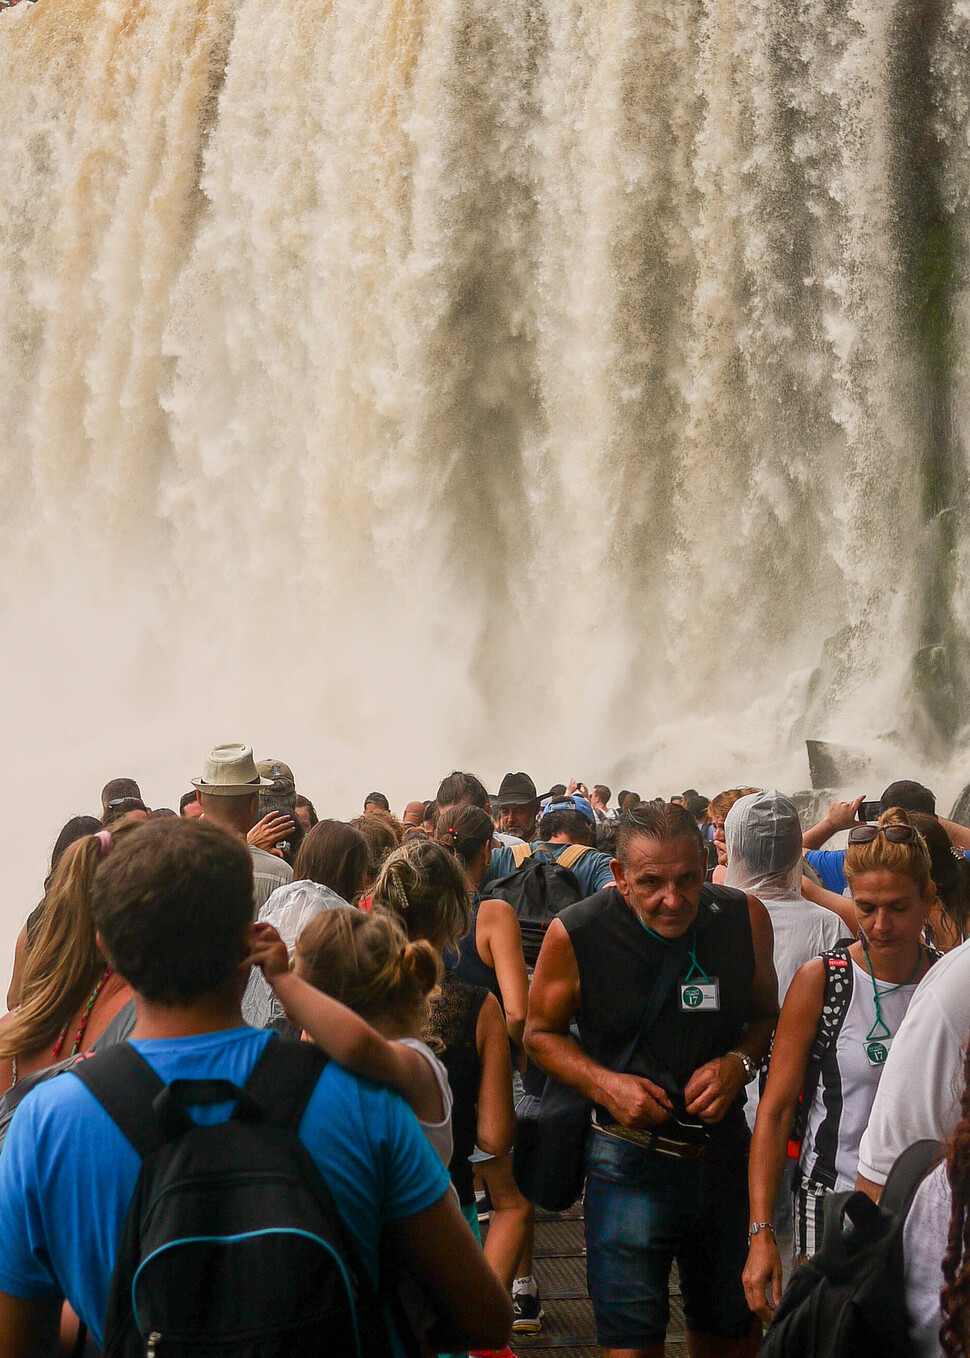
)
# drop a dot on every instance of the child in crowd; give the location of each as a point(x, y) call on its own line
point(360, 991)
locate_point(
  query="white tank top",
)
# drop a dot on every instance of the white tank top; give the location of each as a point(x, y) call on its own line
point(438, 1133)
point(847, 1084)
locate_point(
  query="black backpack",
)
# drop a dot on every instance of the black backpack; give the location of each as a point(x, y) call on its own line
point(232, 1243)
point(847, 1301)
point(538, 888)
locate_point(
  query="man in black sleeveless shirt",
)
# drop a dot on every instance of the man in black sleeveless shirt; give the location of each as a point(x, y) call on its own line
point(684, 971)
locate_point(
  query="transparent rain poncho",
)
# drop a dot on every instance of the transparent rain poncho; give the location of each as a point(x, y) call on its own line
point(288, 910)
point(763, 838)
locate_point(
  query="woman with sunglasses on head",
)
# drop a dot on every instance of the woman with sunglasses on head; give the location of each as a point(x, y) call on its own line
point(834, 1033)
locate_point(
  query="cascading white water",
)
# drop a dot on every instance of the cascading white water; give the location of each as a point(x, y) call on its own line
point(402, 386)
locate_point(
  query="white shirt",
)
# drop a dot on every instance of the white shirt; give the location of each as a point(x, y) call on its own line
point(924, 1245)
point(922, 1081)
point(438, 1133)
point(802, 930)
point(848, 1082)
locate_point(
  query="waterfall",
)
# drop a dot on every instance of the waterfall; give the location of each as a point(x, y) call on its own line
point(401, 386)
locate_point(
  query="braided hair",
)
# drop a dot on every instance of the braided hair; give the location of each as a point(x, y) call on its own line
point(424, 886)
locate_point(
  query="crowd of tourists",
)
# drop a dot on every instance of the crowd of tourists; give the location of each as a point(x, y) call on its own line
point(275, 1084)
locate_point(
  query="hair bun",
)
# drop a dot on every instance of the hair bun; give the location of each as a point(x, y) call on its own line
point(420, 963)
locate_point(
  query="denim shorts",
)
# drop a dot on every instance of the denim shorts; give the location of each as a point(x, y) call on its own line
point(644, 1210)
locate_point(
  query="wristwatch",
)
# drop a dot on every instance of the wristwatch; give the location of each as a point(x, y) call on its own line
point(750, 1069)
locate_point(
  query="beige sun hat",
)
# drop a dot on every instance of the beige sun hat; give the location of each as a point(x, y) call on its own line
point(230, 770)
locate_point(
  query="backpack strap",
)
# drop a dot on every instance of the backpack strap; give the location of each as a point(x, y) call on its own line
point(282, 1081)
point(835, 1005)
point(126, 1087)
point(520, 852)
point(571, 855)
point(906, 1175)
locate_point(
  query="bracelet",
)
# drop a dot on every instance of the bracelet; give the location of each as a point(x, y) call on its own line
point(756, 1227)
point(750, 1069)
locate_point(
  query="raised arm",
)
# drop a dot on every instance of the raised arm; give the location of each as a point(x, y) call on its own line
point(829, 900)
point(959, 834)
point(797, 1027)
point(553, 1003)
point(345, 1036)
point(839, 816)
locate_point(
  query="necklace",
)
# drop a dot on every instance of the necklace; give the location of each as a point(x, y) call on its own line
point(79, 1035)
point(878, 995)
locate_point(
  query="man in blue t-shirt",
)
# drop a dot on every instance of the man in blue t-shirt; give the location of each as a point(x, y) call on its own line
point(565, 822)
point(173, 906)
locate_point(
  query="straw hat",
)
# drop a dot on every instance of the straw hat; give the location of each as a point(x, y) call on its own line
point(230, 770)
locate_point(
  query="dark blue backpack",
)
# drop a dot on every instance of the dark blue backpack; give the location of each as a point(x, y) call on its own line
point(232, 1243)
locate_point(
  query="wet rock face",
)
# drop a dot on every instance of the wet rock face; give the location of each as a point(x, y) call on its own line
point(835, 766)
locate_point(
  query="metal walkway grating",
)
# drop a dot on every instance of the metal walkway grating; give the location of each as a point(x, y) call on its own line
point(568, 1330)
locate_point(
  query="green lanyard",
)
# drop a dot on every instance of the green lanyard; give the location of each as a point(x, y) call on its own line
point(877, 995)
point(694, 964)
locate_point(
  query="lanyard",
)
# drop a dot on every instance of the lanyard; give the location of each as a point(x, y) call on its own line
point(877, 995)
point(692, 954)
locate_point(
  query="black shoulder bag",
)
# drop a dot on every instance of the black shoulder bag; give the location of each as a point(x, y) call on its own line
point(549, 1163)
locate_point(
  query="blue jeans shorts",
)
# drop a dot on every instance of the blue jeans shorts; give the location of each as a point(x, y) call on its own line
point(644, 1210)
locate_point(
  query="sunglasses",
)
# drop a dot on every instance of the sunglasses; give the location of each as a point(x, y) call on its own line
point(896, 834)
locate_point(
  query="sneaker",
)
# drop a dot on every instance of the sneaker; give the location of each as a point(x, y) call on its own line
point(528, 1313)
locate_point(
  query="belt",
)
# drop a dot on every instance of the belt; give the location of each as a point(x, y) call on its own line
point(655, 1141)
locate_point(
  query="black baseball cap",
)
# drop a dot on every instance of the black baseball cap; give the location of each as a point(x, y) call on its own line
point(517, 789)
